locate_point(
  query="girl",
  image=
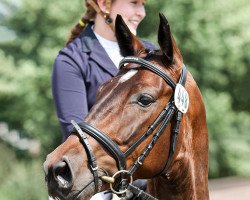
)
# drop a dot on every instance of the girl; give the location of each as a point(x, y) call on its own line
point(90, 58)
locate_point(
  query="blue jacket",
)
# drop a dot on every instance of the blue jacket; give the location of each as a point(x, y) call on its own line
point(79, 69)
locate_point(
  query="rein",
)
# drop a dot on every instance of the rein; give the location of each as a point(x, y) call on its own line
point(177, 105)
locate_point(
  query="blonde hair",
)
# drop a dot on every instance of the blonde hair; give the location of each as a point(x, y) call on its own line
point(89, 16)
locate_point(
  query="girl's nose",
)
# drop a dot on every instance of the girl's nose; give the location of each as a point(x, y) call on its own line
point(141, 11)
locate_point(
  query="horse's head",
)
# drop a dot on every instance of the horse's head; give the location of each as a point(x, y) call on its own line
point(132, 129)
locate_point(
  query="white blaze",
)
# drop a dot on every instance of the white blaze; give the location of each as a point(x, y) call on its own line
point(128, 75)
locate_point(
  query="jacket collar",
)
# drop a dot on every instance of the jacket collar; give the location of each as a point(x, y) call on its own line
point(92, 46)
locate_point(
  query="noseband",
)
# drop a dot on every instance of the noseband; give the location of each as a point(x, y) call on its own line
point(174, 109)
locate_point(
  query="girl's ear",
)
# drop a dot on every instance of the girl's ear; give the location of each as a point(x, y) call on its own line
point(165, 39)
point(100, 3)
point(129, 44)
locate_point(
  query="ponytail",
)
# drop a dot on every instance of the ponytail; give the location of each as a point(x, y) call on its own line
point(91, 10)
point(89, 16)
point(77, 29)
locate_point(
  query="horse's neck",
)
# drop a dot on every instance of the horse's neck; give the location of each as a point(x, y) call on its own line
point(186, 177)
point(180, 184)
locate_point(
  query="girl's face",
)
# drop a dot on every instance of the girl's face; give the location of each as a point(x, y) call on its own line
point(132, 12)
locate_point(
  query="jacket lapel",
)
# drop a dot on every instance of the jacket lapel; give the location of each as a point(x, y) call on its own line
point(92, 46)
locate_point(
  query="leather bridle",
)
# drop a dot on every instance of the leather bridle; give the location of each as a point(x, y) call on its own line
point(170, 112)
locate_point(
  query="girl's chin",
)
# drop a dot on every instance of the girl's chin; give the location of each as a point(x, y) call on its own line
point(133, 30)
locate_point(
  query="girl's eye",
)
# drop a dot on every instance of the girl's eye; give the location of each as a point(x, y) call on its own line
point(145, 100)
point(138, 2)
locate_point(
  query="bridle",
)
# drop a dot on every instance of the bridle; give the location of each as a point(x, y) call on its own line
point(170, 111)
point(174, 109)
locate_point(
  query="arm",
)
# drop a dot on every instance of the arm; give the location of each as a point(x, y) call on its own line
point(69, 91)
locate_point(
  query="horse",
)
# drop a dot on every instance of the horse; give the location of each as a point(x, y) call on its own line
point(148, 122)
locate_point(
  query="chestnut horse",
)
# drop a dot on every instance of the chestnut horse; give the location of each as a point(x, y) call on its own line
point(148, 122)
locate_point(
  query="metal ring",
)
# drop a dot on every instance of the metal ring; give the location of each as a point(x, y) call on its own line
point(114, 176)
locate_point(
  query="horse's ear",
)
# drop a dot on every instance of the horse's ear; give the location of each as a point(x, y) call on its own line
point(165, 39)
point(127, 41)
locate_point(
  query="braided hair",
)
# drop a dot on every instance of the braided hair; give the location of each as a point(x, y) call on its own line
point(89, 16)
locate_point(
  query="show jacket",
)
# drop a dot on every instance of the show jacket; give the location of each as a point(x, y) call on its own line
point(79, 69)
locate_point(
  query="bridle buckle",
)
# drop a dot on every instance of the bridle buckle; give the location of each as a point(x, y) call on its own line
point(122, 172)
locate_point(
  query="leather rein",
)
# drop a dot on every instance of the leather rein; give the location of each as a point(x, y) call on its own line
point(172, 111)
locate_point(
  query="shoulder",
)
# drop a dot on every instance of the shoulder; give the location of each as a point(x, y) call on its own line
point(71, 51)
point(74, 54)
point(70, 60)
point(81, 47)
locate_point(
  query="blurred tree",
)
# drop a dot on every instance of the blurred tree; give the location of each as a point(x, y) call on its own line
point(7, 8)
point(148, 27)
point(39, 26)
point(228, 134)
point(19, 179)
point(214, 39)
point(41, 29)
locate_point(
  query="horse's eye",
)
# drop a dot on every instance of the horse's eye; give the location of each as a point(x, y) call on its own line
point(145, 100)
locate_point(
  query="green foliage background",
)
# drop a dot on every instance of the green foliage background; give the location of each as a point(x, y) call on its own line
point(214, 37)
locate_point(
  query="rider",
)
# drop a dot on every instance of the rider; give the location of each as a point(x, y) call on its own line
point(91, 57)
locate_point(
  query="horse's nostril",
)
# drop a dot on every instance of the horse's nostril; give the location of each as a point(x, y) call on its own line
point(62, 174)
